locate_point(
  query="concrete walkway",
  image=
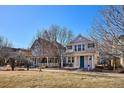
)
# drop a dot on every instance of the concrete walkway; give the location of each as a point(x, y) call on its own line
point(87, 73)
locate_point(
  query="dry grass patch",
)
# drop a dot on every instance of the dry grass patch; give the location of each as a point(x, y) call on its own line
point(56, 79)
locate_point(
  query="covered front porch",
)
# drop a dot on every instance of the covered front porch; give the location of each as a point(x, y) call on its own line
point(81, 61)
point(45, 61)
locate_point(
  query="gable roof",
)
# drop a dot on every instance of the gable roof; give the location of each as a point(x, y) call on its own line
point(54, 44)
point(40, 41)
point(46, 48)
point(79, 39)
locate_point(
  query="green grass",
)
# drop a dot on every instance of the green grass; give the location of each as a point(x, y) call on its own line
point(33, 79)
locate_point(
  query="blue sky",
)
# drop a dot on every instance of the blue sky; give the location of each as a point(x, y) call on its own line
point(20, 23)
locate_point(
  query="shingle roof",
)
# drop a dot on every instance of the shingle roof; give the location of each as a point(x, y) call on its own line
point(79, 38)
point(54, 44)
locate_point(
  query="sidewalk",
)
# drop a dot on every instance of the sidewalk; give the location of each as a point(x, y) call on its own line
point(87, 73)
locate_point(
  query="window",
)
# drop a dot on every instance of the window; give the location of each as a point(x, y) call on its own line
point(69, 59)
point(72, 59)
point(90, 58)
point(50, 60)
point(79, 47)
point(91, 45)
point(83, 47)
point(35, 61)
point(69, 47)
point(75, 47)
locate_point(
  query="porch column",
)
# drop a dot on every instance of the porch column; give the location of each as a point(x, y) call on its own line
point(47, 62)
point(88, 64)
point(112, 62)
point(66, 60)
point(121, 59)
point(93, 62)
point(54, 63)
point(75, 62)
point(61, 62)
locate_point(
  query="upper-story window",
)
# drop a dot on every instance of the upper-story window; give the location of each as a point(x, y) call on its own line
point(91, 45)
point(69, 47)
point(83, 47)
point(75, 47)
point(79, 47)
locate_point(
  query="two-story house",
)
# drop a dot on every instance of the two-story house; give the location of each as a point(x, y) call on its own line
point(81, 53)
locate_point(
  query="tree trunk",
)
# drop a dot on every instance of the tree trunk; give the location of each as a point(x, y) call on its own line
point(12, 68)
point(5, 60)
point(27, 67)
point(114, 64)
point(61, 62)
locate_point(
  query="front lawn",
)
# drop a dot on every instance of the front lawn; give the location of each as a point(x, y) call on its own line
point(24, 79)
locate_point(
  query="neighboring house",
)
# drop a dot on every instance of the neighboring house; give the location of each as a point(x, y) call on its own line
point(121, 38)
point(81, 53)
point(114, 57)
point(17, 53)
point(46, 53)
point(23, 55)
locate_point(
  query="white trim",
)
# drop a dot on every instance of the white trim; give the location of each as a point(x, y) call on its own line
point(47, 62)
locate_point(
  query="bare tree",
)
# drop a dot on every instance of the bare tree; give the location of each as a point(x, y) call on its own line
point(58, 37)
point(61, 36)
point(56, 33)
point(5, 46)
point(11, 61)
point(106, 31)
point(4, 42)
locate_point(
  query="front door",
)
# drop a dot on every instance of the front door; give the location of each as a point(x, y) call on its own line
point(81, 61)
